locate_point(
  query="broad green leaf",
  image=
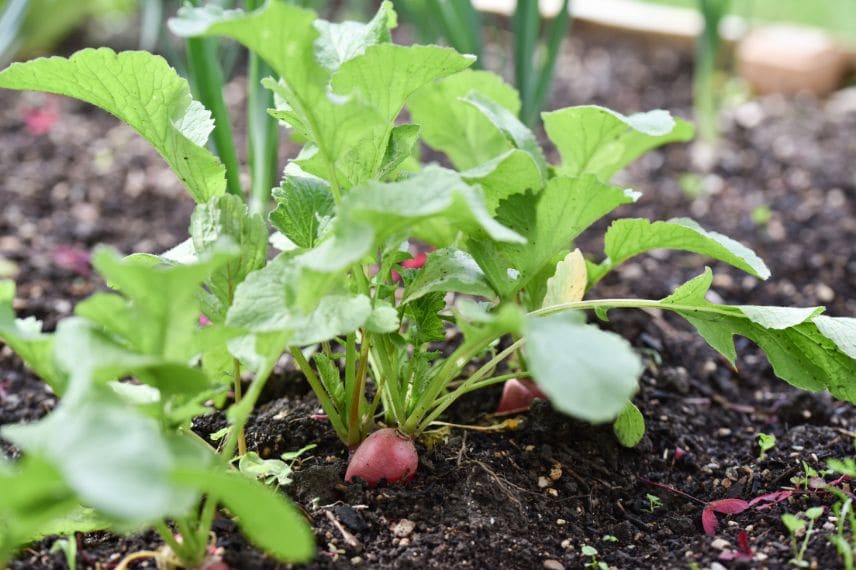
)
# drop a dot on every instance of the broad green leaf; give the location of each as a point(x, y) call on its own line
point(841, 330)
point(795, 344)
point(228, 217)
point(349, 127)
point(143, 91)
point(304, 208)
point(423, 319)
point(114, 458)
point(596, 140)
point(512, 172)
point(339, 43)
point(81, 519)
point(629, 426)
point(448, 270)
point(34, 497)
point(383, 318)
point(452, 126)
point(568, 283)
point(550, 221)
point(267, 518)
point(402, 141)
point(266, 302)
point(588, 373)
point(629, 237)
point(515, 131)
point(162, 299)
point(376, 211)
point(25, 337)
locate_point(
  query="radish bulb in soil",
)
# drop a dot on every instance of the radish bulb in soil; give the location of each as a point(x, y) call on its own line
point(385, 454)
point(518, 395)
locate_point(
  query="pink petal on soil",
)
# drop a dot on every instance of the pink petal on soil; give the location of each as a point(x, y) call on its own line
point(204, 321)
point(724, 506)
point(679, 453)
point(72, 258)
point(39, 120)
point(771, 498)
point(743, 551)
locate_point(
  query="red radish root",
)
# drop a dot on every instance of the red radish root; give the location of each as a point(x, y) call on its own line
point(518, 395)
point(385, 454)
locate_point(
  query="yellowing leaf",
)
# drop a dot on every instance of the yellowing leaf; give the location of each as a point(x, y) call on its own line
point(568, 284)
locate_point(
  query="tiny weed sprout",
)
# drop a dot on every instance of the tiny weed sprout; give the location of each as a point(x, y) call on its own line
point(798, 527)
point(654, 503)
point(766, 442)
point(504, 279)
point(591, 553)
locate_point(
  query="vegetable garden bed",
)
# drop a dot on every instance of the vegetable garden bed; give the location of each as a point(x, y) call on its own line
point(533, 491)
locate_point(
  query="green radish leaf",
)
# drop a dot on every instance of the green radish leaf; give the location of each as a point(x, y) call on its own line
point(376, 211)
point(516, 132)
point(142, 90)
point(304, 208)
point(588, 373)
point(267, 518)
point(425, 324)
point(339, 43)
point(349, 127)
point(448, 270)
point(454, 127)
point(840, 330)
point(267, 302)
point(512, 172)
point(595, 140)
point(26, 338)
point(383, 319)
point(795, 344)
point(629, 426)
point(228, 217)
point(331, 378)
point(161, 317)
point(113, 457)
point(402, 141)
point(550, 221)
point(629, 237)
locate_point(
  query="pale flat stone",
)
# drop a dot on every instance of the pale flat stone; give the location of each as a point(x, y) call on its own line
point(790, 59)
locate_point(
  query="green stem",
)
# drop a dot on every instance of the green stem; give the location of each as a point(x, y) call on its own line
point(242, 440)
point(191, 540)
point(449, 399)
point(558, 31)
point(355, 428)
point(448, 371)
point(179, 548)
point(320, 393)
point(525, 29)
point(262, 134)
point(206, 79)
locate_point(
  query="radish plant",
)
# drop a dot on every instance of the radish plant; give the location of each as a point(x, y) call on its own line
point(337, 298)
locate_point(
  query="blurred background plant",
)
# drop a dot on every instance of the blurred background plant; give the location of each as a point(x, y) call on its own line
point(536, 40)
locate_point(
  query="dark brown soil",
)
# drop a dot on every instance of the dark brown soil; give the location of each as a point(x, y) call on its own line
point(530, 497)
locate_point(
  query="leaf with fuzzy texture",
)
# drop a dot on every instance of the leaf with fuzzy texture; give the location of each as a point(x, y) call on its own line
point(629, 237)
point(143, 91)
point(304, 208)
point(376, 211)
point(515, 131)
point(26, 338)
point(458, 129)
point(596, 140)
point(228, 217)
point(795, 344)
point(448, 270)
point(549, 220)
point(346, 115)
point(588, 373)
point(512, 172)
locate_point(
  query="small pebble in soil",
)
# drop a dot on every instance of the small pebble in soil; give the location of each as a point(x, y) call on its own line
point(551, 564)
point(403, 528)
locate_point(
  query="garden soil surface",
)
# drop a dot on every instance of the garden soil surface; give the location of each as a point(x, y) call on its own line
point(782, 181)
